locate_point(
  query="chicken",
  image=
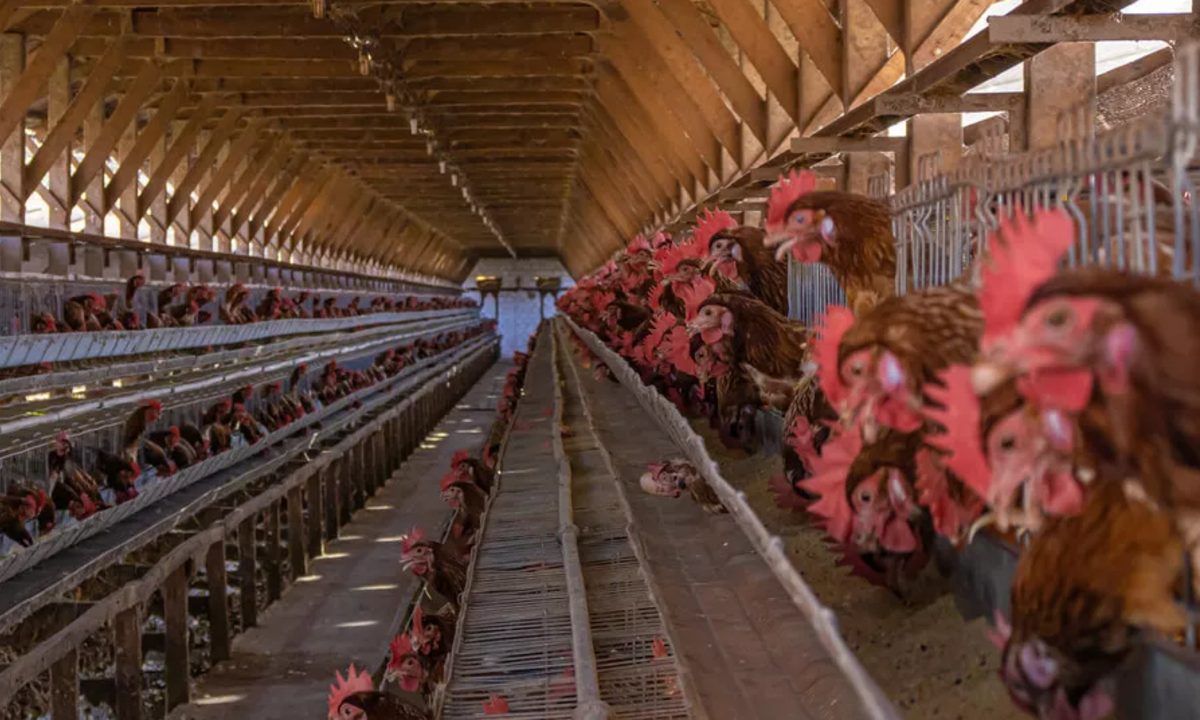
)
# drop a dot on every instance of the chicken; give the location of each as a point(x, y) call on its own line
point(1116, 349)
point(1084, 589)
point(158, 458)
point(851, 234)
point(440, 565)
point(354, 698)
point(469, 468)
point(874, 366)
point(42, 323)
point(738, 254)
point(672, 477)
point(868, 502)
point(740, 330)
point(407, 667)
point(119, 473)
point(181, 452)
point(14, 513)
point(467, 500)
point(141, 418)
point(433, 635)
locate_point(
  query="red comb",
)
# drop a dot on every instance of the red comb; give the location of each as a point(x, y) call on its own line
point(400, 648)
point(155, 404)
point(669, 257)
point(830, 472)
point(710, 224)
point(659, 327)
point(677, 347)
point(354, 682)
point(447, 480)
point(789, 189)
point(960, 420)
point(459, 457)
point(1021, 256)
point(496, 705)
point(694, 294)
point(639, 243)
point(659, 648)
point(413, 537)
point(834, 324)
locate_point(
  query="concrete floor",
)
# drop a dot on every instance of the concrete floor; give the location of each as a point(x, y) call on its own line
point(355, 598)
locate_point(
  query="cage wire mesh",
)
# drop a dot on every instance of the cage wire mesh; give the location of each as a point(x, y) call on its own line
point(635, 682)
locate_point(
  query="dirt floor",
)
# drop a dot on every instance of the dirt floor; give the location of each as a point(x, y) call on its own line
point(922, 653)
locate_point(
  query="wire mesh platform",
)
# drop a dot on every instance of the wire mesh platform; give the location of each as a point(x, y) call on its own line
point(515, 637)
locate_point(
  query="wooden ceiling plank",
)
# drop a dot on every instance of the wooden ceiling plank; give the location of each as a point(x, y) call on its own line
point(223, 175)
point(891, 15)
point(181, 145)
point(30, 86)
point(700, 38)
point(669, 43)
point(867, 49)
point(58, 140)
point(749, 30)
point(626, 204)
point(612, 136)
point(267, 161)
point(818, 34)
point(620, 155)
point(640, 99)
point(126, 111)
point(203, 163)
point(673, 58)
point(266, 193)
point(652, 81)
point(313, 204)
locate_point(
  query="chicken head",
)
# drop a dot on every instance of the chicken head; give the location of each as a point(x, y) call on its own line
point(658, 480)
point(405, 667)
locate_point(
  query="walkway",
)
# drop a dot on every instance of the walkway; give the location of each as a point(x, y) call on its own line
point(356, 596)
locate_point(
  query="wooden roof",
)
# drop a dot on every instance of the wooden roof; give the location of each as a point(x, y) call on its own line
point(573, 125)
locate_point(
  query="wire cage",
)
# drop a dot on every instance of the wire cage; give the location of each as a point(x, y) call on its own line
point(24, 458)
point(811, 289)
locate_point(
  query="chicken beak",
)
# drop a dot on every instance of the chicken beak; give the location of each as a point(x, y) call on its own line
point(783, 246)
point(987, 376)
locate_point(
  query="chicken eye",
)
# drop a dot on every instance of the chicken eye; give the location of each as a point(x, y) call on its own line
point(800, 218)
point(1008, 443)
point(1058, 318)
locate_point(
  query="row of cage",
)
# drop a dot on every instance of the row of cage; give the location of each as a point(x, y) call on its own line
point(1130, 189)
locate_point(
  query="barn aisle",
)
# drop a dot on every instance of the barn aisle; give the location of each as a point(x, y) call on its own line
point(356, 595)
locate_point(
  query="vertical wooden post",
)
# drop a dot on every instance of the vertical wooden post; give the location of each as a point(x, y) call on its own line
point(12, 149)
point(316, 514)
point(64, 687)
point(356, 477)
point(247, 563)
point(333, 502)
point(936, 133)
point(274, 561)
point(158, 208)
point(218, 602)
point(127, 627)
point(296, 537)
point(59, 177)
point(1057, 80)
point(93, 194)
point(127, 200)
point(175, 611)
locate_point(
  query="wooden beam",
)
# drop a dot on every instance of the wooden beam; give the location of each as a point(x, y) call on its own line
point(843, 144)
point(62, 132)
point(102, 145)
point(58, 99)
point(819, 36)
point(749, 30)
point(12, 149)
point(267, 161)
point(662, 96)
point(223, 175)
point(154, 131)
point(685, 18)
point(33, 80)
point(266, 193)
point(669, 43)
point(640, 101)
point(181, 146)
point(914, 104)
point(891, 15)
point(1004, 29)
point(285, 195)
